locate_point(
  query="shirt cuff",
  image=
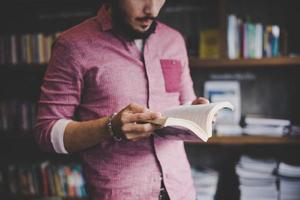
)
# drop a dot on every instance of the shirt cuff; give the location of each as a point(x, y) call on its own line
point(57, 135)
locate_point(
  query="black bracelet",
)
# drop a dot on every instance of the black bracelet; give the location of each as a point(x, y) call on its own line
point(116, 137)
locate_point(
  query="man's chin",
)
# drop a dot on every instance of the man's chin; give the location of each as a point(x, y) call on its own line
point(136, 32)
point(142, 29)
point(139, 33)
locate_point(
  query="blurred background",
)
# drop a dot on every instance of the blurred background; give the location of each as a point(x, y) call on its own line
point(243, 51)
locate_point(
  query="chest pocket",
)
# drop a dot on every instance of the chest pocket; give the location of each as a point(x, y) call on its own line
point(172, 74)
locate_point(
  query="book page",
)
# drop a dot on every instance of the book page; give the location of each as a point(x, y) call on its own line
point(190, 125)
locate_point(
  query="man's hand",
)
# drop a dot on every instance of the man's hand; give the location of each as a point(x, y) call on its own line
point(200, 100)
point(130, 122)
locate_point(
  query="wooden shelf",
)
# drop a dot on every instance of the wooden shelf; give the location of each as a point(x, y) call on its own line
point(28, 137)
point(197, 63)
point(245, 63)
point(253, 140)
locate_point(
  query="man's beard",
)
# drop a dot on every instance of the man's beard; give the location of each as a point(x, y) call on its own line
point(121, 27)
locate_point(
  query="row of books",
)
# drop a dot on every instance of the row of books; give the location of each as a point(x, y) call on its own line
point(251, 40)
point(256, 125)
point(259, 178)
point(266, 126)
point(45, 180)
point(26, 48)
point(17, 115)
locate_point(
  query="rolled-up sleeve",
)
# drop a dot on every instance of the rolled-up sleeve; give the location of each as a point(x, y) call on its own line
point(60, 91)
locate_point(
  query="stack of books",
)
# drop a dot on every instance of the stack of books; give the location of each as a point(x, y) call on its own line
point(266, 126)
point(206, 183)
point(257, 179)
point(289, 181)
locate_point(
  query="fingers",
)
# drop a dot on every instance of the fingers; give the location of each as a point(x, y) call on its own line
point(137, 136)
point(200, 100)
point(131, 122)
point(136, 108)
point(139, 117)
point(138, 128)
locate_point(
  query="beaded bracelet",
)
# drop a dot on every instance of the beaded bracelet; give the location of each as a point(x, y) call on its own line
point(116, 137)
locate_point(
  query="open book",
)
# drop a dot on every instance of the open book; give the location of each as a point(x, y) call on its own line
point(198, 119)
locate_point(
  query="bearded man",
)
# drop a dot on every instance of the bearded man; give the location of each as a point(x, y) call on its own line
point(106, 77)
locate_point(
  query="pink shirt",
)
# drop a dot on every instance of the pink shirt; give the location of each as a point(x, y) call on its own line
point(94, 73)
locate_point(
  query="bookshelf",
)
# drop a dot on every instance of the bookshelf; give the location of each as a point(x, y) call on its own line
point(22, 80)
point(25, 26)
point(263, 81)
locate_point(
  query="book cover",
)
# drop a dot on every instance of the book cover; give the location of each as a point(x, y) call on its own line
point(209, 45)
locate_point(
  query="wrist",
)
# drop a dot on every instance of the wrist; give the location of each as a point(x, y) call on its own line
point(111, 131)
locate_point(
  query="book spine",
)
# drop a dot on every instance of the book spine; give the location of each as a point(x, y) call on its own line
point(231, 37)
point(14, 56)
point(245, 40)
point(23, 49)
point(19, 49)
point(45, 179)
point(12, 179)
point(275, 40)
point(259, 41)
point(41, 47)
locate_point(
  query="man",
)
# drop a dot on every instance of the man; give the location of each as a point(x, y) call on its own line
point(122, 61)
